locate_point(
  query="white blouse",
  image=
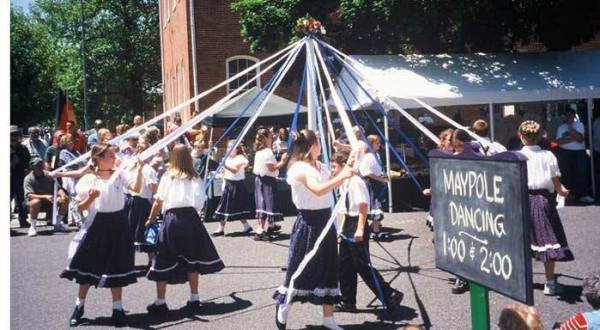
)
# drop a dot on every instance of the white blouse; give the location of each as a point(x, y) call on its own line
point(358, 193)
point(303, 198)
point(261, 159)
point(176, 193)
point(149, 176)
point(233, 162)
point(369, 165)
point(112, 195)
point(542, 166)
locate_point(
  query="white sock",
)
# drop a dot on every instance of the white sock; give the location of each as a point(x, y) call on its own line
point(246, 226)
point(32, 221)
point(79, 302)
point(283, 312)
point(194, 297)
point(259, 230)
point(329, 323)
point(117, 304)
point(159, 302)
point(220, 228)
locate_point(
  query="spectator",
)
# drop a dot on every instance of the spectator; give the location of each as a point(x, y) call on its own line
point(67, 155)
point(79, 137)
point(487, 147)
point(589, 320)
point(53, 152)
point(36, 146)
point(93, 138)
point(39, 191)
point(137, 121)
point(121, 128)
point(280, 143)
point(19, 159)
point(129, 147)
point(104, 135)
point(520, 317)
point(572, 158)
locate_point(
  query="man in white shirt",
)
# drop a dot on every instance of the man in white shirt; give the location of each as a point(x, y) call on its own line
point(572, 157)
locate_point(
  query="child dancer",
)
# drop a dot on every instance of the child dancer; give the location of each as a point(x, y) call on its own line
point(184, 247)
point(140, 205)
point(235, 200)
point(354, 246)
point(376, 180)
point(311, 193)
point(548, 239)
point(266, 169)
point(102, 254)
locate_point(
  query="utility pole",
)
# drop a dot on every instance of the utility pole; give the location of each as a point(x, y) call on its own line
point(85, 116)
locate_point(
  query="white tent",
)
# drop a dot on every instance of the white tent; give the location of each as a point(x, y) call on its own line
point(276, 105)
point(462, 79)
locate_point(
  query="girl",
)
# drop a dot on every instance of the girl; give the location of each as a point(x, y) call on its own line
point(140, 205)
point(376, 180)
point(235, 200)
point(311, 193)
point(446, 145)
point(184, 248)
point(266, 169)
point(548, 239)
point(102, 254)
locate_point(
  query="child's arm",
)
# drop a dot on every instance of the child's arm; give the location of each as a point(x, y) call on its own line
point(322, 188)
point(92, 195)
point(359, 235)
point(72, 174)
point(154, 212)
point(559, 187)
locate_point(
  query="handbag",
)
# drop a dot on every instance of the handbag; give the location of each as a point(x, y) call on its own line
point(151, 234)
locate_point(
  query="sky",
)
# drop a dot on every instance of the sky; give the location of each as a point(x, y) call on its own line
point(24, 4)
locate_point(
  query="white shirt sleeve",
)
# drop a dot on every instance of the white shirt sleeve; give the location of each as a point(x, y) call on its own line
point(295, 172)
point(358, 193)
point(199, 193)
point(84, 185)
point(553, 165)
point(163, 186)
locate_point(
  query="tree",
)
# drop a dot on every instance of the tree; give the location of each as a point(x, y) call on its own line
point(122, 54)
point(424, 26)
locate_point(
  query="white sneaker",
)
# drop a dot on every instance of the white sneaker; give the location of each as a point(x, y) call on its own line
point(587, 200)
point(32, 232)
point(60, 227)
point(329, 323)
point(552, 288)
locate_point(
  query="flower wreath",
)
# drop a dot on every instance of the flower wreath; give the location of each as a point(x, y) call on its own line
point(308, 25)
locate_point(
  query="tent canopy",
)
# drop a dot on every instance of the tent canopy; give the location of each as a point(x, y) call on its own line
point(463, 79)
point(276, 105)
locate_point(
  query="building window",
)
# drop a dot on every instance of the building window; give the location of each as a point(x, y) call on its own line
point(237, 64)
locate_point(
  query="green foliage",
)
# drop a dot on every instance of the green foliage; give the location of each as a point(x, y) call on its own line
point(122, 52)
point(424, 26)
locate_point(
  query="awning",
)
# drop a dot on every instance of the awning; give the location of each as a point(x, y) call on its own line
point(463, 79)
point(276, 105)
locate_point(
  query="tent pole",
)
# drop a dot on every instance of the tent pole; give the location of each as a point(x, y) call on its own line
point(590, 108)
point(387, 164)
point(491, 109)
point(311, 118)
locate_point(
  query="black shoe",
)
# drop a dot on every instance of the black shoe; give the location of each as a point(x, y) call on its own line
point(280, 326)
point(460, 287)
point(394, 300)
point(76, 316)
point(218, 233)
point(247, 231)
point(344, 308)
point(118, 318)
point(23, 224)
point(262, 237)
point(193, 306)
point(155, 309)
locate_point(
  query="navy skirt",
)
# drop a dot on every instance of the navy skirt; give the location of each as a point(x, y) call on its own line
point(267, 201)
point(318, 282)
point(548, 239)
point(183, 246)
point(235, 202)
point(377, 194)
point(105, 256)
point(139, 210)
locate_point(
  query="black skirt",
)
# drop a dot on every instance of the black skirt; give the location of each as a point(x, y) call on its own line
point(139, 210)
point(267, 201)
point(318, 282)
point(377, 197)
point(105, 256)
point(183, 246)
point(548, 238)
point(235, 202)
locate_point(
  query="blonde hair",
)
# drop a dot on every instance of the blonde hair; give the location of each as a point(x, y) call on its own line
point(98, 151)
point(530, 131)
point(181, 165)
point(520, 317)
point(102, 134)
point(372, 139)
point(448, 132)
point(260, 141)
point(65, 140)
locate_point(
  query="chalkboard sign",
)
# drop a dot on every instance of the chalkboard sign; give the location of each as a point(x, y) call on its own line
point(481, 221)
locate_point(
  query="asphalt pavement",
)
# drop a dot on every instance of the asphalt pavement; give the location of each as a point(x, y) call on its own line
point(239, 297)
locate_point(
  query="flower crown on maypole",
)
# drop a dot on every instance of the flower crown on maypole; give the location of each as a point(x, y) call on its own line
point(309, 26)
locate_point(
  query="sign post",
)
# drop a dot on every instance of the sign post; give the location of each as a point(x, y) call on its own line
point(481, 217)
